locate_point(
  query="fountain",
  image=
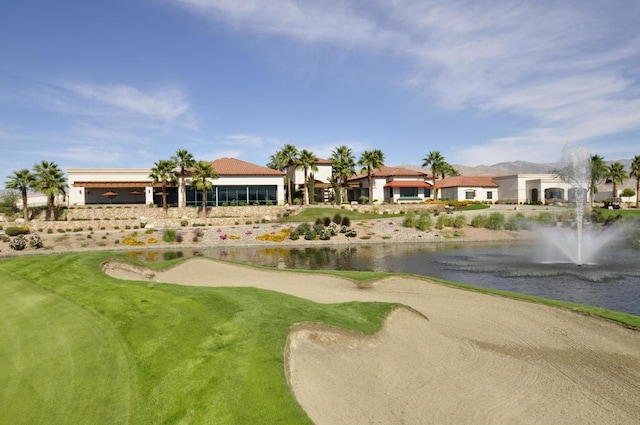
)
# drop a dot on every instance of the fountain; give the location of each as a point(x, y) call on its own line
point(581, 245)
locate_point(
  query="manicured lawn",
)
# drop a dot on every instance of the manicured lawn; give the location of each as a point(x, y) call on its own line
point(80, 347)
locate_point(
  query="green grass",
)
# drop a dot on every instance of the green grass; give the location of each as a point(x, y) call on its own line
point(624, 213)
point(81, 347)
point(311, 214)
point(473, 207)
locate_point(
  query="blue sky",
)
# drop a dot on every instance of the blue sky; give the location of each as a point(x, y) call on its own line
point(124, 83)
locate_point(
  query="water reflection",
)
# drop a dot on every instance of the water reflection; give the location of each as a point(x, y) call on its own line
point(613, 282)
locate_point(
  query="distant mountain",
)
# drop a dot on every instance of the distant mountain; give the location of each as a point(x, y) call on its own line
point(508, 168)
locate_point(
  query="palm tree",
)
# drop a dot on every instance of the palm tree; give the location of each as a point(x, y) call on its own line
point(289, 154)
point(185, 160)
point(307, 161)
point(22, 180)
point(279, 162)
point(598, 173)
point(50, 180)
point(616, 175)
point(439, 168)
point(371, 160)
point(344, 166)
point(163, 172)
point(635, 172)
point(201, 176)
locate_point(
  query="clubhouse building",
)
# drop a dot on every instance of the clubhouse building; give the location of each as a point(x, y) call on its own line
point(244, 183)
point(238, 183)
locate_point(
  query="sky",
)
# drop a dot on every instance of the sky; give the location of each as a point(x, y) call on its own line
point(124, 83)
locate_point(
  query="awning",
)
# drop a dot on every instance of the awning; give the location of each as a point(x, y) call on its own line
point(123, 184)
point(421, 184)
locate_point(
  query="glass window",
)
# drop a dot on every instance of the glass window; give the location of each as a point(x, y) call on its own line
point(408, 192)
point(469, 194)
point(489, 194)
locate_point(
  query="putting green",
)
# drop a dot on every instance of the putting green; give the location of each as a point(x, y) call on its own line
point(61, 363)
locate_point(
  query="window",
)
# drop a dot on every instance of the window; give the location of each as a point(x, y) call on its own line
point(408, 192)
point(427, 193)
point(469, 194)
point(489, 194)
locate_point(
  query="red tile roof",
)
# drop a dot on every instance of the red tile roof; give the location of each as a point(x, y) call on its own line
point(387, 172)
point(236, 167)
point(408, 183)
point(466, 181)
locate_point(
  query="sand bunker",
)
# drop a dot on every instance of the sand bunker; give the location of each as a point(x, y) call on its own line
point(477, 359)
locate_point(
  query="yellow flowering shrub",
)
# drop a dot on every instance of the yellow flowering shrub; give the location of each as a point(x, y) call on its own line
point(132, 242)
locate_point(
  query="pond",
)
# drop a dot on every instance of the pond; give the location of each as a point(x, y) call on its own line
point(611, 281)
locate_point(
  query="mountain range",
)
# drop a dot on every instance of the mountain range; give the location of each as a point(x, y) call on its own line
point(512, 167)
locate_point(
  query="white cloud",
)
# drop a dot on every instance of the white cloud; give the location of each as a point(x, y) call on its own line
point(165, 104)
point(567, 66)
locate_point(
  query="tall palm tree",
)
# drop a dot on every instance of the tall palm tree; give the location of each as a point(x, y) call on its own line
point(278, 161)
point(201, 176)
point(185, 160)
point(371, 160)
point(597, 174)
point(635, 172)
point(344, 166)
point(163, 172)
point(307, 161)
point(289, 154)
point(50, 180)
point(438, 166)
point(616, 175)
point(22, 180)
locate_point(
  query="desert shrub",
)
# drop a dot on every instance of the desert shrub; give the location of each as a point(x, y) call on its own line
point(337, 218)
point(16, 230)
point(441, 222)
point(325, 234)
point(479, 221)
point(459, 222)
point(4, 238)
point(35, 241)
point(327, 221)
point(179, 238)
point(169, 235)
point(184, 223)
point(318, 221)
point(516, 222)
point(319, 227)
point(346, 221)
point(424, 222)
point(545, 217)
point(495, 221)
point(349, 232)
point(294, 236)
point(310, 235)
point(49, 231)
point(409, 220)
point(303, 228)
point(18, 243)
